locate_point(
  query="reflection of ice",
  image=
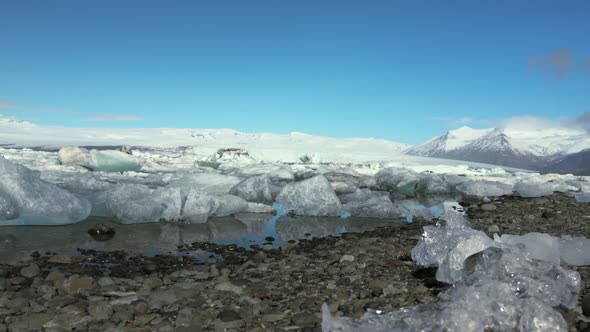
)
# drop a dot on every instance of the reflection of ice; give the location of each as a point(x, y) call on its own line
point(295, 228)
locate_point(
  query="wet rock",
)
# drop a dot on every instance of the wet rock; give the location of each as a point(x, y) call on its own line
point(488, 207)
point(228, 316)
point(75, 283)
point(152, 283)
point(30, 271)
point(101, 232)
point(548, 214)
point(65, 259)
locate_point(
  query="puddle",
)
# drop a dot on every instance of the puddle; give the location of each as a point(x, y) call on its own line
point(243, 230)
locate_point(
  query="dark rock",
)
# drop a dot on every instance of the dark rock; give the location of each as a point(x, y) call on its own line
point(548, 214)
point(228, 316)
point(304, 319)
point(269, 238)
point(101, 232)
point(586, 305)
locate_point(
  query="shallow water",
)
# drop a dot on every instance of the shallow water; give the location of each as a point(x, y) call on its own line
point(243, 229)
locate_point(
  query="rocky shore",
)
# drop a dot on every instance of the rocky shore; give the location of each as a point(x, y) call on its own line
point(264, 288)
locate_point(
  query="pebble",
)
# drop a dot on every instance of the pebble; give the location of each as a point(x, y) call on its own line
point(488, 207)
point(347, 258)
point(494, 229)
point(30, 271)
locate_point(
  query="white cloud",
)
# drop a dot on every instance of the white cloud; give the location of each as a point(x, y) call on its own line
point(12, 106)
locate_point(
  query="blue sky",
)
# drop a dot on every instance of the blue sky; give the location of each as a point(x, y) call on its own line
point(399, 70)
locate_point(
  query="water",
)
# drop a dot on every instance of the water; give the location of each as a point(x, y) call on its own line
point(243, 229)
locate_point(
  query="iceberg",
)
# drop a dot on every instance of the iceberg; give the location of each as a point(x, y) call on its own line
point(105, 160)
point(210, 182)
point(311, 197)
point(375, 207)
point(73, 155)
point(135, 203)
point(433, 184)
point(538, 188)
point(254, 189)
point(25, 199)
point(484, 188)
point(112, 161)
point(400, 180)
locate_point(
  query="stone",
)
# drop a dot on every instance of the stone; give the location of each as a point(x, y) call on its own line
point(75, 283)
point(229, 287)
point(105, 282)
point(347, 258)
point(152, 282)
point(228, 316)
point(30, 271)
point(100, 310)
point(304, 319)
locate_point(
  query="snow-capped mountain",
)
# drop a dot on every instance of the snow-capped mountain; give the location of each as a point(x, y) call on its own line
point(530, 149)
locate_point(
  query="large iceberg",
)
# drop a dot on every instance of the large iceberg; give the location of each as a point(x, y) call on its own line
point(398, 180)
point(25, 199)
point(375, 207)
point(541, 187)
point(254, 189)
point(311, 197)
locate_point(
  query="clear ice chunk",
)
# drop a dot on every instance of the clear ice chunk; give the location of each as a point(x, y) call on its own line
point(311, 197)
point(540, 187)
point(540, 246)
point(501, 288)
point(574, 250)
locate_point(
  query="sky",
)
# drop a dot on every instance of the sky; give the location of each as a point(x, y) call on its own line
point(399, 70)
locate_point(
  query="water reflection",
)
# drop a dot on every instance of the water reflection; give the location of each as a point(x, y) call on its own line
point(243, 229)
